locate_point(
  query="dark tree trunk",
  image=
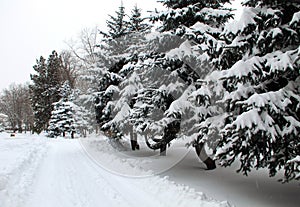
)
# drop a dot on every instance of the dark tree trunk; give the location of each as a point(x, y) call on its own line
point(133, 144)
point(133, 140)
point(163, 149)
point(200, 150)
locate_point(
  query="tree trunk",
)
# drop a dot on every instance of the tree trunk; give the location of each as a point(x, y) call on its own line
point(163, 149)
point(133, 140)
point(200, 150)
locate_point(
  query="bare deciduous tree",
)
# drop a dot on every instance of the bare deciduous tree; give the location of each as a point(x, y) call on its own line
point(69, 67)
point(15, 103)
point(86, 45)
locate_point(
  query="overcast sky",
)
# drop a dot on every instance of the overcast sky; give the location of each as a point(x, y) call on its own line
point(31, 28)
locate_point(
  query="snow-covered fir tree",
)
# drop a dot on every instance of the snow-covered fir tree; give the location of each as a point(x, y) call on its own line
point(67, 117)
point(112, 72)
point(252, 106)
point(173, 56)
point(117, 29)
point(111, 47)
point(139, 71)
point(199, 21)
point(197, 25)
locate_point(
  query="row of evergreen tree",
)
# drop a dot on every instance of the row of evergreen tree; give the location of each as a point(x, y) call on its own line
point(233, 86)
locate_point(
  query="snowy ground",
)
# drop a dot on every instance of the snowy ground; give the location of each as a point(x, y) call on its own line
point(36, 171)
point(19, 158)
point(225, 184)
point(183, 167)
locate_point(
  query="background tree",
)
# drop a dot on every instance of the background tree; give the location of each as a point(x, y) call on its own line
point(84, 48)
point(47, 79)
point(44, 90)
point(3, 122)
point(69, 67)
point(136, 22)
point(66, 117)
point(15, 104)
point(91, 61)
point(116, 25)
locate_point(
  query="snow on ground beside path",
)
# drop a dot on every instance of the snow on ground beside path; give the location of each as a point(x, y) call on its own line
point(19, 158)
point(183, 167)
point(166, 192)
point(258, 189)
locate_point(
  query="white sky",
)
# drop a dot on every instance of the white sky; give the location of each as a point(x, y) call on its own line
point(31, 28)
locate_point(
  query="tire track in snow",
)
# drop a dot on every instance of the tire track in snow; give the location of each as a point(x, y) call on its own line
point(68, 178)
point(20, 180)
point(110, 191)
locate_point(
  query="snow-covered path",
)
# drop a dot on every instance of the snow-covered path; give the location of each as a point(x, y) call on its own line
point(69, 178)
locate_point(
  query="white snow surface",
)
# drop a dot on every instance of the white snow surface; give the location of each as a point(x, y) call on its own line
point(38, 171)
point(184, 170)
point(245, 20)
point(19, 159)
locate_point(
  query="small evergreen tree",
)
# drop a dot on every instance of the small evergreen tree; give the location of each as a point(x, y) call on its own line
point(66, 116)
point(61, 120)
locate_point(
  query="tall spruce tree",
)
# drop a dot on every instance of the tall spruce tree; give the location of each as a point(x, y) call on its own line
point(199, 25)
point(116, 25)
point(44, 89)
point(136, 22)
point(119, 50)
point(252, 105)
point(173, 56)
